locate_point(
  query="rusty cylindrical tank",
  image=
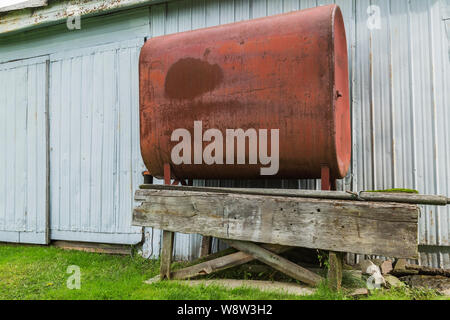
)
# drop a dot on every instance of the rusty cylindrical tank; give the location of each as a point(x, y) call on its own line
point(286, 72)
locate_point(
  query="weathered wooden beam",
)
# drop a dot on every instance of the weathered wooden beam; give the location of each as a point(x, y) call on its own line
point(405, 198)
point(166, 254)
point(275, 261)
point(94, 247)
point(338, 195)
point(428, 271)
point(408, 198)
point(385, 229)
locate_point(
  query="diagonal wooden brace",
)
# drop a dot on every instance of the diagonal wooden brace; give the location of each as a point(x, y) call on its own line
point(218, 263)
point(277, 262)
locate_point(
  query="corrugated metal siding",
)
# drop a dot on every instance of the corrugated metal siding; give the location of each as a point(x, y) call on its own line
point(400, 95)
point(94, 143)
point(400, 108)
point(23, 156)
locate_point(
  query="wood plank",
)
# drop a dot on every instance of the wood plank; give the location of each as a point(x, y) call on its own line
point(118, 249)
point(406, 198)
point(166, 254)
point(385, 229)
point(314, 194)
point(429, 271)
point(275, 261)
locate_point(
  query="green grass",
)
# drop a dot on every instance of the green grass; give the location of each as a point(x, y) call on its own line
point(405, 294)
point(35, 272)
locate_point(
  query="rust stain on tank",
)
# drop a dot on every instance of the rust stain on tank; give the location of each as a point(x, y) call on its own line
point(189, 78)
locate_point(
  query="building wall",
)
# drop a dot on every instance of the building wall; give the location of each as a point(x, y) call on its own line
point(94, 160)
point(400, 83)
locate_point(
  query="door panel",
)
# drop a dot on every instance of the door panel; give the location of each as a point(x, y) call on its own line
point(95, 162)
point(23, 160)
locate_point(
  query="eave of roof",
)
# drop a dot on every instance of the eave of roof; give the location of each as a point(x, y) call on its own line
point(23, 4)
point(57, 11)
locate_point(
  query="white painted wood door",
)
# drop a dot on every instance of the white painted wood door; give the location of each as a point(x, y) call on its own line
point(23, 151)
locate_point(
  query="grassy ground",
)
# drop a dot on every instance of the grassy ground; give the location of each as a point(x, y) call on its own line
point(33, 272)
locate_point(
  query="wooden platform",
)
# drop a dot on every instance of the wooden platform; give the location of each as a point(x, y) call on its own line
point(262, 224)
point(373, 228)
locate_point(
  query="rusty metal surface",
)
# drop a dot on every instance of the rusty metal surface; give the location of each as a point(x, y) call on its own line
point(286, 72)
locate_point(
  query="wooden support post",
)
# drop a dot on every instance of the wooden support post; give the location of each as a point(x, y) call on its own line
point(275, 261)
point(167, 238)
point(206, 246)
point(166, 255)
point(335, 260)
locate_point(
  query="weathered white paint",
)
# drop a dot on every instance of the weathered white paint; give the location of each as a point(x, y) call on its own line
point(10, 5)
point(23, 156)
point(115, 27)
point(58, 11)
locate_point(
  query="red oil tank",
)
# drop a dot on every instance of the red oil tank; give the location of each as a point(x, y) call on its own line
point(286, 73)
